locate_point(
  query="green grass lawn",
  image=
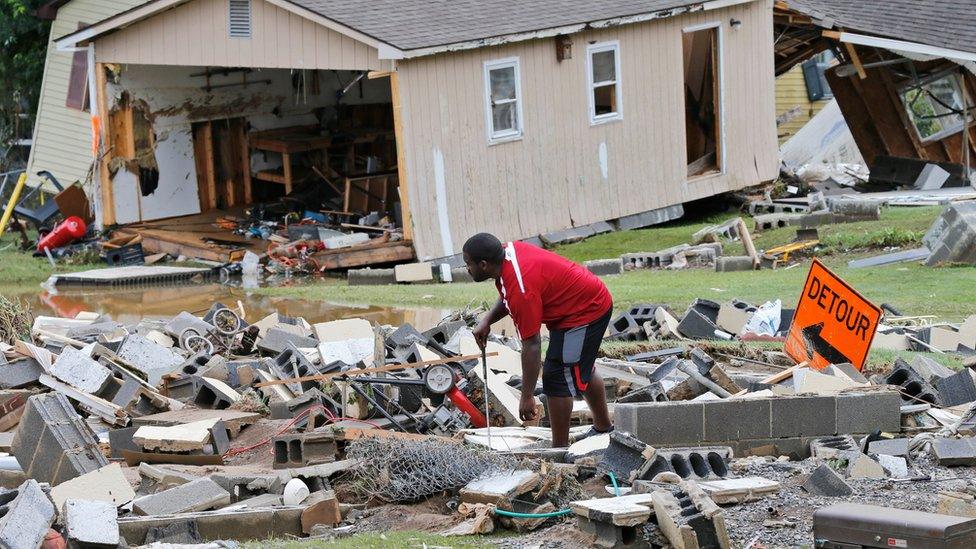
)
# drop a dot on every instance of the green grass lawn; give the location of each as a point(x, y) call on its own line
point(878, 360)
point(18, 268)
point(898, 226)
point(948, 292)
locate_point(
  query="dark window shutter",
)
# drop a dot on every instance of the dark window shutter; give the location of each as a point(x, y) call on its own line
point(824, 86)
point(78, 81)
point(811, 76)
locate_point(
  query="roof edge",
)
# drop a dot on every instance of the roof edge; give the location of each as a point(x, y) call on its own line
point(150, 9)
point(570, 29)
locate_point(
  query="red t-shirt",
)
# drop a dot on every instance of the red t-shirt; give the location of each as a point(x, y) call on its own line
point(539, 287)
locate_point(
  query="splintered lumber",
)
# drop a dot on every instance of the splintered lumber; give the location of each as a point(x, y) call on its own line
point(389, 368)
point(778, 376)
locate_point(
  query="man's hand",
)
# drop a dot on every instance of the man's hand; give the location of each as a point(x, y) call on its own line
point(481, 332)
point(527, 408)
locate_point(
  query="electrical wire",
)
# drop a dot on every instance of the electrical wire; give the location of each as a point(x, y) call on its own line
point(613, 479)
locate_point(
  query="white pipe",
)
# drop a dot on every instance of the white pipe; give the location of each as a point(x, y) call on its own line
point(900, 45)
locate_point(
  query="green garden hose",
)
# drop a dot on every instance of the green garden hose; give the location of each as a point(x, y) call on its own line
point(559, 513)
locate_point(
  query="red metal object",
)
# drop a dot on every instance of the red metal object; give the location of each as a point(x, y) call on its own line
point(68, 231)
point(468, 407)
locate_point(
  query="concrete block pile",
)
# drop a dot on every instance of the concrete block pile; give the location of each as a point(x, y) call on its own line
point(219, 427)
point(703, 319)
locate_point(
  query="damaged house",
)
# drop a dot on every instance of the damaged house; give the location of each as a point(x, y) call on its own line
point(905, 79)
point(529, 120)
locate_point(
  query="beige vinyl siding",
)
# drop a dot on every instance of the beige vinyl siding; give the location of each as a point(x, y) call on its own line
point(196, 34)
point(62, 136)
point(791, 92)
point(552, 178)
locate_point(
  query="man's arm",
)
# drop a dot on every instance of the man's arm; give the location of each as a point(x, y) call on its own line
point(481, 331)
point(531, 365)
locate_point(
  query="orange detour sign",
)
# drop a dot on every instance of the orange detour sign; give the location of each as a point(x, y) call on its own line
point(832, 324)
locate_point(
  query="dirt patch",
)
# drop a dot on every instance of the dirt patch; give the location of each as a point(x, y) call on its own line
point(431, 515)
point(561, 534)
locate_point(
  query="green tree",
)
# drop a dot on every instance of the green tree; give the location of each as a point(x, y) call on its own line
point(23, 45)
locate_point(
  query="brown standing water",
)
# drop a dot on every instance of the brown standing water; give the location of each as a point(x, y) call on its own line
point(129, 305)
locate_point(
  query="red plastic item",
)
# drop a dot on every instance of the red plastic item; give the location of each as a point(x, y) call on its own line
point(465, 405)
point(68, 231)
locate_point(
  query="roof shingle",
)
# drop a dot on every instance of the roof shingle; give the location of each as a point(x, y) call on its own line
point(415, 24)
point(941, 23)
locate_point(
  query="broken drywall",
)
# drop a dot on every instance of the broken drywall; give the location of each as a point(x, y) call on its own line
point(167, 100)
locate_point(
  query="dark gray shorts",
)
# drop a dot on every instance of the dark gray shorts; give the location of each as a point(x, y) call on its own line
point(568, 367)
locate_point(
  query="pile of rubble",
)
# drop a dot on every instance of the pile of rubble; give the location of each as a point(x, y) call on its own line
point(201, 428)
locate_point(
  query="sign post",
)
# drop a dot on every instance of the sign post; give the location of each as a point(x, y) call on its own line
point(833, 323)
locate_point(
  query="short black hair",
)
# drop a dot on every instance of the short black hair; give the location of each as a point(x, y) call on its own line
point(485, 247)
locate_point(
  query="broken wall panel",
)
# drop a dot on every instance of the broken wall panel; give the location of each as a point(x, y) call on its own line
point(172, 100)
point(877, 115)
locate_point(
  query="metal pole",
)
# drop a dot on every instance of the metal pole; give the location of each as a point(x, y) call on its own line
point(484, 368)
point(14, 197)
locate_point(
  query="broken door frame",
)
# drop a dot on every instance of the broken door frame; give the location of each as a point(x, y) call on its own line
point(720, 95)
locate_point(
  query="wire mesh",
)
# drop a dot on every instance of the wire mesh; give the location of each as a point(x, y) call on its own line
point(395, 470)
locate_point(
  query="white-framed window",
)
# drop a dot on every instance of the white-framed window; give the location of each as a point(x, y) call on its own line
point(935, 107)
point(603, 78)
point(503, 100)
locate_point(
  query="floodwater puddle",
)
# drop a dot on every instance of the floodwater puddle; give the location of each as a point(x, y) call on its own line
point(130, 305)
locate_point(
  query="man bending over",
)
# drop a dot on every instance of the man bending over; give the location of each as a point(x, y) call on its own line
point(539, 287)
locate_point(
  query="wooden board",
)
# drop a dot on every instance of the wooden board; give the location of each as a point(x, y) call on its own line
point(108, 193)
point(388, 252)
point(401, 156)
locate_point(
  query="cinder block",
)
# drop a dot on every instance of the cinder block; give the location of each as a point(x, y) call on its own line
point(689, 518)
point(149, 357)
point(276, 340)
point(867, 412)
point(732, 263)
point(914, 387)
point(624, 456)
point(626, 328)
point(214, 394)
point(198, 495)
point(803, 416)
point(651, 393)
point(889, 447)
point(605, 267)
point(442, 333)
point(371, 277)
point(825, 482)
point(952, 452)
point(956, 389)
point(665, 423)
point(414, 272)
point(25, 516)
point(91, 523)
point(694, 325)
point(19, 373)
point(80, 371)
point(833, 446)
point(701, 462)
point(736, 419)
point(53, 443)
point(303, 449)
